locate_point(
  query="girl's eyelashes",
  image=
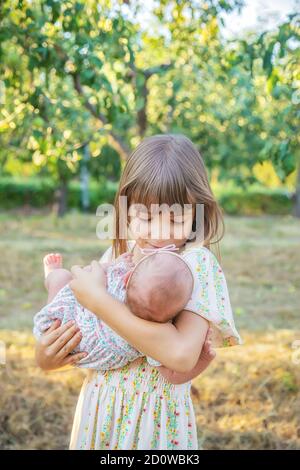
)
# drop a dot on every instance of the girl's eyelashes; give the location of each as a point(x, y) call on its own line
point(176, 222)
point(148, 217)
point(144, 217)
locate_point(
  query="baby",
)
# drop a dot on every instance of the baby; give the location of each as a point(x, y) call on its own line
point(157, 288)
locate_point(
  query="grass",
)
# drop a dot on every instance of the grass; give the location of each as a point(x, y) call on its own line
point(248, 398)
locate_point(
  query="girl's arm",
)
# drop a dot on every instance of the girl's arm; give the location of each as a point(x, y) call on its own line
point(206, 356)
point(177, 345)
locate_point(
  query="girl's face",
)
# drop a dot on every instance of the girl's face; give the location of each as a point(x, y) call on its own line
point(160, 225)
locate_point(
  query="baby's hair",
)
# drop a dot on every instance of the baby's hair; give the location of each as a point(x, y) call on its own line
point(168, 291)
point(167, 169)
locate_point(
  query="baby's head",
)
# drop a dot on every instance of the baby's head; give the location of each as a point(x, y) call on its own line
point(159, 287)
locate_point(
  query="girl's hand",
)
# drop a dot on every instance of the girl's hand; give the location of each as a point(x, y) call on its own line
point(53, 349)
point(89, 286)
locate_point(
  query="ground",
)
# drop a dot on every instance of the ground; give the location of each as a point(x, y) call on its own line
point(247, 399)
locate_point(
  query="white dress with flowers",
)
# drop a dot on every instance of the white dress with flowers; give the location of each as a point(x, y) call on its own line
point(134, 407)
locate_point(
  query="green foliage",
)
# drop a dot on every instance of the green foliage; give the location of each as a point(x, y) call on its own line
point(79, 73)
point(38, 192)
point(16, 192)
point(256, 202)
point(59, 65)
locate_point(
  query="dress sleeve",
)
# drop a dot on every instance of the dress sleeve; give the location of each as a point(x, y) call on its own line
point(210, 297)
point(153, 362)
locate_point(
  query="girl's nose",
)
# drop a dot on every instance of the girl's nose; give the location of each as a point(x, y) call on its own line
point(160, 229)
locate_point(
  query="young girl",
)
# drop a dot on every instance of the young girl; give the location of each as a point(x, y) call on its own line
point(135, 407)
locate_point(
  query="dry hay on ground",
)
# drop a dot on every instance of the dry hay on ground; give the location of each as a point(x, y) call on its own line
point(248, 399)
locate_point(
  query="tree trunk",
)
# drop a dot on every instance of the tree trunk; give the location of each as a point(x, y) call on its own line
point(142, 113)
point(114, 140)
point(84, 179)
point(61, 198)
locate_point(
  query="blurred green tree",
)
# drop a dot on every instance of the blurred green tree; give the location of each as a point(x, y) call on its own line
point(80, 73)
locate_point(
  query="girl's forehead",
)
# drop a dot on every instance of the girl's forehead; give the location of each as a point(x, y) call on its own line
point(157, 194)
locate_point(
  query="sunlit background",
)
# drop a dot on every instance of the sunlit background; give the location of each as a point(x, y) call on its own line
point(81, 84)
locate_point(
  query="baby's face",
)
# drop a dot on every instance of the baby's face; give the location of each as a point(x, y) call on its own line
point(159, 287)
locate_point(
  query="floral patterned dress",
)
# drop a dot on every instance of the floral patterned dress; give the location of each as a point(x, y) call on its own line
point(134, 407)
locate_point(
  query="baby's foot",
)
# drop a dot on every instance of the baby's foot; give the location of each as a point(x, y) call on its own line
point(56, 277)
point(51, 262)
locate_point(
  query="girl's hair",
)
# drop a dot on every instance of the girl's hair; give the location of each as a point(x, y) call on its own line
point(167, 168)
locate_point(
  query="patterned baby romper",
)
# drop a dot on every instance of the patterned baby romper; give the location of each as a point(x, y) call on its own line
point(105, 348)
point(134, 407)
